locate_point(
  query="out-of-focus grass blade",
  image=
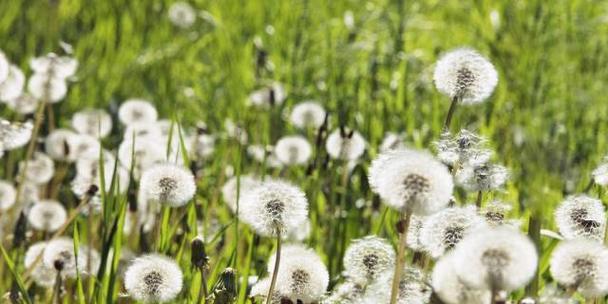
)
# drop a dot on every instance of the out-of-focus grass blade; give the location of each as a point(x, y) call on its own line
point(16, 277)
point(76, 238)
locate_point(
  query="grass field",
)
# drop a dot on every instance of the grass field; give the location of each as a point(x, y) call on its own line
point(546, 120)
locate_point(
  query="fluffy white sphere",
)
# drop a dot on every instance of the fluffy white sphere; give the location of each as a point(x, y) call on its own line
point(153, 278)
point(451, 289)
point(443, 230)
point(345, 144)
point(366, 258)
point(302, 274)
point(168, 184)
point(47, 215)
point(307, 114)
point(293, 150)
point(137, 110)
point(92, 122)
point(581, 216)
point(12, 87)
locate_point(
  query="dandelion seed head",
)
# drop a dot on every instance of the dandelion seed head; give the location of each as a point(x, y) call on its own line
point(42, 275)
point(8, 195)
point(495, 213)
point(503, 258)
point(272, 95)
point(581, 216)
point(40, 168)
point(96, 123)
point(443, 230)
point(392, 141)
point(153, 278)
point(60, 67)
point(307, 114)
point(61, 252)
point(47, 215)
point(293, 150)
point(47, 88)
point(137, 111)
point(302, 274)
point(23, 104)
point(14, 135)
point(345, 144)
point(465, 74)
point(274, 206)
point(450, 288)
point(485, 177)
point(182, 14)
point(581, 264)
point(168, 184)
point(366, 258)
point(412, 180)
point(12, 87)
point(59, 143)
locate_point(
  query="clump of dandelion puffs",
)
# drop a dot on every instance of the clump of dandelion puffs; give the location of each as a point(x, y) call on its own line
point(8, 195)
point(345, 144)
point(168, 184)
point(182, 14)
point(443, 230)
point(293, 150)
point(50, 73)
point(137, 111)
point(581, 216)
point(153, 278)
point(368, 257)
point(503, 260)
point(47, 215)
point(450, 288)
point(93, 122)
point(581, 265)
point(307, 114)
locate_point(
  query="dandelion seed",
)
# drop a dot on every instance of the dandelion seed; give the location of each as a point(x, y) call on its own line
point(168, 184)
point(47, 215)
point(307, 114)
point(366, 258)
point(182, 14)
point(293, 150)
point(415, 182)
point(270, 96)
point(465, 74)
point(229, 190)
point(40, 169)
point(153, 278)
point(14, 135)
point(93, 122)
point(12, 87)
point(23, 104)
point(59, 255)
point(503, 259)
point(42, 275)
point(443, 230)
point(274, 207)
point(137, 111)
point(8, 195)
point(345, 144)
point(581, 265)
point(302, 275)
point(451, 289)
point(581, 216)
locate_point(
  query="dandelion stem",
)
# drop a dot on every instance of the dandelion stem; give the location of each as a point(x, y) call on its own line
point(402, 227)
point(202, 293)
point(479, 199)
point(275, 272)
point(448, 118)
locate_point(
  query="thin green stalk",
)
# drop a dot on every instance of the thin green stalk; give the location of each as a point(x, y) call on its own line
point(275, 272)
point(403, 226)
point(448, 118)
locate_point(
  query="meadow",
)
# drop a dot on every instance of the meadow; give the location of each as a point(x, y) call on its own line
point(222, 79)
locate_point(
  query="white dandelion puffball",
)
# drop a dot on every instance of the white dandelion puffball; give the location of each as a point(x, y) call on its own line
point(141, 155)
point(274, 207)
point(203, 145)
point(146, 131)
point(503, 259)
point(4, 67)
point(230, 192)
point(182, 14)
point(293, 150)
point(302, 274)
point(581, 216)
point(137, 110)
point(366, 258)
point(486, 177)
point(392, 141)
point(451, 289)
point(93, 122)
point(307, 114)
point(58, 145)
point(455, 150)
point(168, 184)
point(153, 278)
point(47, 88)
point(411, 180)
point(47, 215)
point(495, 213)
point(272, 95)
point(23, 104)
point(414, 287)
point(40, 169)
point(345, 144)
point(8, 195)
point(443, 230)
point(345, 293)
point(465, 74)
point(581, 265)
point(12, 87)
point(60, 67)
point(14, 135)
point(84, 146)
point(59, 255)
point(600, 175)
point(42, 275)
